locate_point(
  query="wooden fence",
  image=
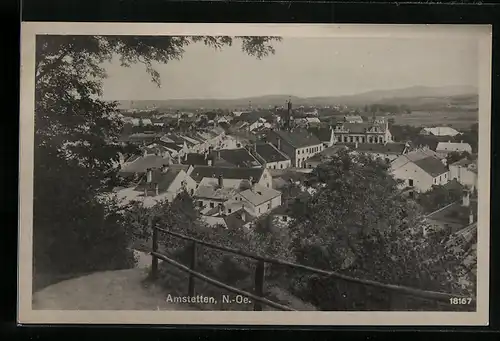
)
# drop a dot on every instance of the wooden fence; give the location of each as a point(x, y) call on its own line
point(443, 299)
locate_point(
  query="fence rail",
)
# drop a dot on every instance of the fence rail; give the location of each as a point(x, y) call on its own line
point(258, 296)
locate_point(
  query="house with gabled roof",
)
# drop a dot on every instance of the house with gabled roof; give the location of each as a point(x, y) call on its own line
point(387, 152)
point(449, 147)
point(324, 134)
point(240, 157)
point(158, 185)
point(298, 144)
point(270, 156)
point(254, 175)
point(419, 171)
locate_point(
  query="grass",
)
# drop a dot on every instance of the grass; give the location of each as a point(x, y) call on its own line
point(458, 120)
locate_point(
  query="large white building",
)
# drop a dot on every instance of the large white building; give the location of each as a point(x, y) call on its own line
point(448, 147)
point(419, 171)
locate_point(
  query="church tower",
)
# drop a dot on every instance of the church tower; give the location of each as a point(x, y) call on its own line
point(288, 115)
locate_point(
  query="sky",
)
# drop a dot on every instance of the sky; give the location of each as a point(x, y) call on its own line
point(304, 67)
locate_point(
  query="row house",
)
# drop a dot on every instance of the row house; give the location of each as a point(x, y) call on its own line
point(369, 132)
point(299, 145)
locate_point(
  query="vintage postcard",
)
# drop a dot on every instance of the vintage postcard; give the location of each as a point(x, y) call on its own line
point(244, 174)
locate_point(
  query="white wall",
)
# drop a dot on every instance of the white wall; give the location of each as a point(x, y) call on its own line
point(422, 181)
point(302, 154)
point(279, 164)
point(266, 179)
point(463, 175)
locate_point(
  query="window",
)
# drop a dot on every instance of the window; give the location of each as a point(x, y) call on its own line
point(191, 191)
point(410, 182)
point(284, 218)
point(229, 210)
point(281, 166)
point(435, 181)
point(411, 194)
point(212, 205)
point(268, 205)
point(440, 178)
point(259, 209)
point(200, 203)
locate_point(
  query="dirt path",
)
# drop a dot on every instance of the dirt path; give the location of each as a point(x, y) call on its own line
point(110, 290)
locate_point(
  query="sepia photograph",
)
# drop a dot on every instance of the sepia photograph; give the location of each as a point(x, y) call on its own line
point(254, 174)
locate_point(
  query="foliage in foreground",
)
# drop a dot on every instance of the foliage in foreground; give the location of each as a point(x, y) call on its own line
point(76, 145)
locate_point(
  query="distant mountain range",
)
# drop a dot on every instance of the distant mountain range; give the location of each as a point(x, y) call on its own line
point(412, 96)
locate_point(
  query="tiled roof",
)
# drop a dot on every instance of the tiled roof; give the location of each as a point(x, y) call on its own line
point(163, 179)
point(432, 166)
point(236, 157)
point(324, 134)
point(465, 162)
point(361, 128)
point(269, 153)
point(172, 146)
point(389, 148)
point(235, 219)
point(298, 138)
point(142, 163)
point(453, 146)
point(214, 192)
point(200, 172)
point(259, 194)
point(442, 131)
point(195, 159)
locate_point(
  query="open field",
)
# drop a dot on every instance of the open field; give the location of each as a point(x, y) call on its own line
point(458, 120)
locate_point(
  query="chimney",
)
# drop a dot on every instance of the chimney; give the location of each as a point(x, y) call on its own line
point(279, 143)
point(356, 145)
point(156, 189)
point(466, 198)
point(185, 157)
point(218, 154)
point(221, 181)
point(164, 168)
point(471, 217)
point(243, 213)
point(149, 175)
point(209, 162)
point(144, 153)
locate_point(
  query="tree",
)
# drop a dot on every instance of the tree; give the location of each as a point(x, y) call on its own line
point(358, 224)
point(439, 196)
point(76, 143)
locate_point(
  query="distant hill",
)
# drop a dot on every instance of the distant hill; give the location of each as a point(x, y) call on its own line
point(413, 97)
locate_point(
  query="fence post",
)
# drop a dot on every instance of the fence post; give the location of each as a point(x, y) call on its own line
point(154, 260)
point(259, 283)
point(193, 267)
